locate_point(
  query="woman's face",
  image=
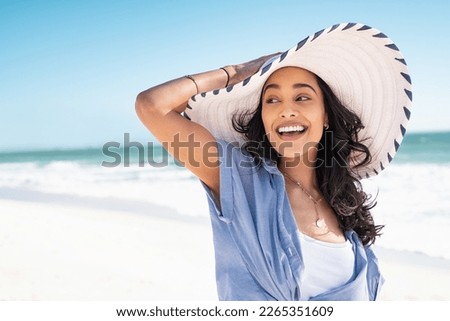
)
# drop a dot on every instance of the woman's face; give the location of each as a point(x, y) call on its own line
point(293, 112)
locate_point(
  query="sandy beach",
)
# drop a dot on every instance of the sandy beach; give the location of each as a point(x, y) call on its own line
point(62, 248)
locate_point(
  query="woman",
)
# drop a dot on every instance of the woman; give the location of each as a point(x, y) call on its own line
point(280, 144)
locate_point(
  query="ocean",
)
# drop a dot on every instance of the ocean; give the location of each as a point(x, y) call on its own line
point(413, 193)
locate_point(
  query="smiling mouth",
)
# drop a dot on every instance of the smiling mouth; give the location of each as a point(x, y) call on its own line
point(287, 131)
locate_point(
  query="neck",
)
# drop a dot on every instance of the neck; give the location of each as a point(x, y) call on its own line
point(300, 171)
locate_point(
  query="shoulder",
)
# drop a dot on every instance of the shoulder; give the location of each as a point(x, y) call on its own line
point(232, 155)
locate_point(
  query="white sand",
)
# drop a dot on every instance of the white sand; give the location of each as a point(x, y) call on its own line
point(51, 251)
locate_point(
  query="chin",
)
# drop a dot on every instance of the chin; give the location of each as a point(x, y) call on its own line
point(289, 149)
point(296, 151)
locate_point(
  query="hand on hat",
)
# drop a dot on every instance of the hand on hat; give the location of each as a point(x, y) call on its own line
point(244, 70)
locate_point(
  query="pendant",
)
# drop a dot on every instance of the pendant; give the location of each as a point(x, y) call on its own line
point(320, 223)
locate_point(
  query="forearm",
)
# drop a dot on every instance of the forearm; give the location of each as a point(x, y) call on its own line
point(174, 94)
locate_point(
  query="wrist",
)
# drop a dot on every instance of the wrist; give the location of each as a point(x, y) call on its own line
point(210, 80)
point(231, 72)
point(227, 75)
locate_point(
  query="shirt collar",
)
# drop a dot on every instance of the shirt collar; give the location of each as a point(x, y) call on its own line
point(270, 166)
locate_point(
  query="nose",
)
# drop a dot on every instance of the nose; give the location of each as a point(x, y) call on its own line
point(288, 112)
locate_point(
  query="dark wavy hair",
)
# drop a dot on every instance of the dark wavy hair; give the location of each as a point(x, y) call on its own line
point(337, 182)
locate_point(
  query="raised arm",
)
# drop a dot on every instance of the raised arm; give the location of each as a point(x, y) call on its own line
point(160, 108)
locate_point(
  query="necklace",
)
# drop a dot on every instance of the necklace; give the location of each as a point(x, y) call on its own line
point(320, 222)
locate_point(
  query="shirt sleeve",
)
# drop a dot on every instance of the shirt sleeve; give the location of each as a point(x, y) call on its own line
point(231, 163)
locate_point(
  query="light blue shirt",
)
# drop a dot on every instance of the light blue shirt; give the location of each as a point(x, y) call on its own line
point(257, 249)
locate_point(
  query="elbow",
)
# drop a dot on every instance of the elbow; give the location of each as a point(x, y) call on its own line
point(143, 104)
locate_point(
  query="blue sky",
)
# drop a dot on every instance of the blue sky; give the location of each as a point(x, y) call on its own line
point(70, 70)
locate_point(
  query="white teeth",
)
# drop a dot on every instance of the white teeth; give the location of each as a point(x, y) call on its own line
point(288, 129)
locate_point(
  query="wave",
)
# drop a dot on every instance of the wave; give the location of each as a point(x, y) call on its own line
point(414, 205)
point(413, 199)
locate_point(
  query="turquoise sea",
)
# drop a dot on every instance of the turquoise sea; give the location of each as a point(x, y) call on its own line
point(417, 148)
point(425, 148)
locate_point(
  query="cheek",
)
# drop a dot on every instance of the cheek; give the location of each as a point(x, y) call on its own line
point(318, 116)
point(319, 122)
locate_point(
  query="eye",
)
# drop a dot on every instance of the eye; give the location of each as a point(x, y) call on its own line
point(271, 100)
point(302, 98)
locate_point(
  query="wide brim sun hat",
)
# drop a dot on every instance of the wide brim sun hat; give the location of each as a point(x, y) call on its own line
point(362, 66)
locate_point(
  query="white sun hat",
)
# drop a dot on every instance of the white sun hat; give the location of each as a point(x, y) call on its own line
point(362, 66)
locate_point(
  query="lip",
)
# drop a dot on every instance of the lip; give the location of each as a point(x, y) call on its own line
point(290, 137)
point(290, 124)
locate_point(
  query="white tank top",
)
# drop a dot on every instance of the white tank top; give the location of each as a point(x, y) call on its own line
point(327, 265)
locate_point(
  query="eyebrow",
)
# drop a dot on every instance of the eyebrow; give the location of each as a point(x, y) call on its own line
point(296, 85)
